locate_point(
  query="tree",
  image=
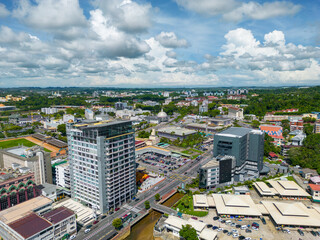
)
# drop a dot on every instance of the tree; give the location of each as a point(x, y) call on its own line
point(188, 232)
point(147, 204)
point(255, 123)
point(62, 128)
point(308, 129)
point(117, 223)
point(157, 197)
point(144, 134)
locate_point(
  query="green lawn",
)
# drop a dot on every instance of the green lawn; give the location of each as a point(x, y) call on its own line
point(186, 152)
point(189, 210)
point(16, 142)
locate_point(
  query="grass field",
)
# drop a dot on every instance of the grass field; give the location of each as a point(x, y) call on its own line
point(189, 210)
point(16, 142)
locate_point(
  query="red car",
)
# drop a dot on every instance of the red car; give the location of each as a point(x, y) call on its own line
point(117, 209)
point(194, 218)
point(95, 222)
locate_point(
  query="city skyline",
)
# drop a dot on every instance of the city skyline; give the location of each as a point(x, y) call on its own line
point(174, 43)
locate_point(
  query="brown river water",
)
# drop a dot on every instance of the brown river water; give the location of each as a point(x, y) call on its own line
point(143, 230)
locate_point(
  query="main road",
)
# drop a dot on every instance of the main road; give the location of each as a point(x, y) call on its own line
point(104, 228)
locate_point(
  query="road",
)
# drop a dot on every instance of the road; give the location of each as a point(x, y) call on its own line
point(104, 228)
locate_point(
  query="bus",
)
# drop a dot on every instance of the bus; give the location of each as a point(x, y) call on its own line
point(126, 217)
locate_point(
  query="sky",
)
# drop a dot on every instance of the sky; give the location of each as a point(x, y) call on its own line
point(159, 43)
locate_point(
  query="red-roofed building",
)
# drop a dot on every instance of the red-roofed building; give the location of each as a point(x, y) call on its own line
point(140, 144)
point(31, 226)
point(54, 224)
point(272, 155)
point(314, 190)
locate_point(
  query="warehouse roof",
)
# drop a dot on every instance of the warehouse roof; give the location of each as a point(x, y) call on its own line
point(294, 214)
point(229, 204)
point(288, 188)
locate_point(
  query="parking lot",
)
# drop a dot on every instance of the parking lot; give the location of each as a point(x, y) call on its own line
point(162, 164)
point(265, 231)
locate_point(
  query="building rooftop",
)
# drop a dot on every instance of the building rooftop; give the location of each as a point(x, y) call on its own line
point(314, 187)
point(263, 189)
point(235, 132)
point(11, 214)
point(29, 225)
point(96, 124)
point(240, 205)
point(57, 215)
point(210, 164)
point(288, 188)
point(177, 130)
point(294, 214)
point(315, 179)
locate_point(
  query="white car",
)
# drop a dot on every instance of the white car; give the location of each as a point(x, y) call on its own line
point(234, 230)
point(87, 230)
point(235, 235)
point(228, 221)
point(247, 238)
point(243, 227)
point(72, 237)
point(220, 229)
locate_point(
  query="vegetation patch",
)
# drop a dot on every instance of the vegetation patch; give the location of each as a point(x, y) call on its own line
point(17, 142)
point(185, 205)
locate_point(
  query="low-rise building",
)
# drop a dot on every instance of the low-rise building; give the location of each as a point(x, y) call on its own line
point(241, 190)
point(315, 180)
point(174, 224)
point(307, 173)
point(314, 190)
point(235, 113)
point(49, 110)
point(283, 189)
point(174, 133)
point(17, 188)
point(55, 224)
point(294, 214)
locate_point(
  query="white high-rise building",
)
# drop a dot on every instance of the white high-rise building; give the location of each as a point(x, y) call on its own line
point(102, 163)
point(63, 175)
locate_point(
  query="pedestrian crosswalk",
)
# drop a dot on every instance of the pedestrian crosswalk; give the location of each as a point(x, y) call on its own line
point(133, 209)
point(179, 177)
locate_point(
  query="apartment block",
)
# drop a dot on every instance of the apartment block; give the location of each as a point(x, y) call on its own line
point(102, 163)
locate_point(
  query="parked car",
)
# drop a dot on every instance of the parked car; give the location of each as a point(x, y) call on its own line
point(194, 218)
point(248, 238)
point(87, 230)
point(95, 222)
point(300, 232)
point(225, 231)
point(103, 216)
point(117, 209)
point(235, 235)
point(220, 229)
point(243, 227)
point(72, 237)
point(215, 227)
point(209, 226)
point(229, 233)
point(248, 230)
point(89, 226)
point(263, 221)
point(215, 218)
point(313, 233)
point(238, 226)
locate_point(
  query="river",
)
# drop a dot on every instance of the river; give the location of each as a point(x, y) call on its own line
point(144, 228)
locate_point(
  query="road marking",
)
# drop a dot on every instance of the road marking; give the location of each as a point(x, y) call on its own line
point(105, 235)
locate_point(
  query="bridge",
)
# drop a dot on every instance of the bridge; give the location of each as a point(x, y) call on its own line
point(163, 209)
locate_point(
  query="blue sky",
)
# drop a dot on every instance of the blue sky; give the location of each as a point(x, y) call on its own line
point(167, 43)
